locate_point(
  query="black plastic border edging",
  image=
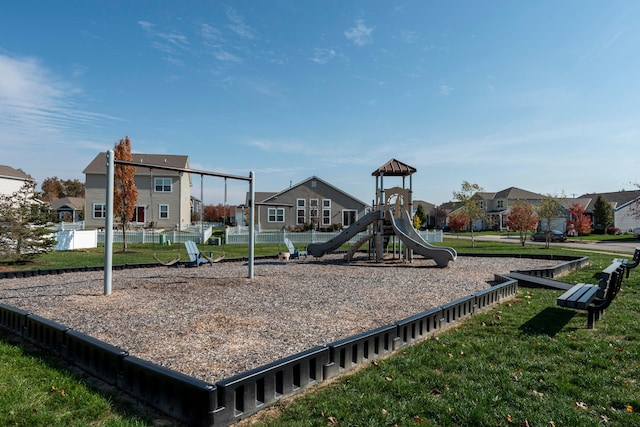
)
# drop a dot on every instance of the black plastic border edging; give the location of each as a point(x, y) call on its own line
point(199, 403)
point(247, 393)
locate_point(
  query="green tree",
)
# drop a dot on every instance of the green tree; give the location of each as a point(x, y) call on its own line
point(422, 214)
point(522, 218)
point(24, 228)
point(602, 214)
point(548, 210)
point(125, 193)
point(468, 196)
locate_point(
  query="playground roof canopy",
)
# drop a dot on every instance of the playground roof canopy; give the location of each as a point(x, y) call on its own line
point(394, 168)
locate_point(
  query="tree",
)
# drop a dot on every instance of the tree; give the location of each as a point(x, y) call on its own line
point(440, 216)
point(55, 188)
point(458, 220)
point(548, 210)
point(125, 193)
point(602, 214)
point(416, 221)
point(24, 228)
point(578, 221)
point(424, 218)
point(468, 198)
point(522, 218)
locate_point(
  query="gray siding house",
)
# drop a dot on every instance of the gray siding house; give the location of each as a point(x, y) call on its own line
point(164, 197)
point(312, 202)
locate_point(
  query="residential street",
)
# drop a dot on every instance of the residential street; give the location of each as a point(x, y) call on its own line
point(600, 246)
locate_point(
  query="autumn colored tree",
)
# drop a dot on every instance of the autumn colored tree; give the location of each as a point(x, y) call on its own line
point(458, 220)
point(125, 193)
point(416, 222)
point(468, 198)
point(216, 213)
point(55, 188)
point(578, 221)
point(422, 214)
point(548, 210)
point(522, 218)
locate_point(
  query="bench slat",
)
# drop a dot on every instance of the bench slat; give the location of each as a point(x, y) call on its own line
point(579, 296)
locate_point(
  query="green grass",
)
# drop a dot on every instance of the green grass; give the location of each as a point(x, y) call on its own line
point(36, 391)
point(526, 360)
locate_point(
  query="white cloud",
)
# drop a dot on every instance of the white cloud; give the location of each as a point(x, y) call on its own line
point(322, 56)
point(170, 42)
point(41, 120)
point(360, 35)
point(238, 25)
point(445, 90)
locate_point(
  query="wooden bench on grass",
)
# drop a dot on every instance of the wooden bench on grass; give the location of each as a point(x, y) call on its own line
point(628, 265)
point(595, 298)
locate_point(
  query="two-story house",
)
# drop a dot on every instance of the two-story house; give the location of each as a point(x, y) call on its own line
point(164, 196)
point(312, 202)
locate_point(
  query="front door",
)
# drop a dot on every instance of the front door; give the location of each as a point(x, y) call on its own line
point(139, 214)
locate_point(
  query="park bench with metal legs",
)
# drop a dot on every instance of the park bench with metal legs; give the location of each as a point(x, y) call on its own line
point(629, 265)
point(595, 298)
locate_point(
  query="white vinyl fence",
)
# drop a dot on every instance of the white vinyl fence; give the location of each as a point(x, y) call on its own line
point(160, 237)
point(240, 236)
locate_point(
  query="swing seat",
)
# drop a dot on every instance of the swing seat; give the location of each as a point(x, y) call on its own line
point(196, 258)
point(168, 264)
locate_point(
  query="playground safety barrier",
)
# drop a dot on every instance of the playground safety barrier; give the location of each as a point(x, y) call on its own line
point(199, 403)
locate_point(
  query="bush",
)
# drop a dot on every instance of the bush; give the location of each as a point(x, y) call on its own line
point(613, 231)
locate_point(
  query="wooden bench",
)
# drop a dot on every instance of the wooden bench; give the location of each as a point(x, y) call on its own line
point(628, 265)
point(595, 298)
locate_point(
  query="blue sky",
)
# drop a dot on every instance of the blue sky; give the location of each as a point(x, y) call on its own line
point(541, 95)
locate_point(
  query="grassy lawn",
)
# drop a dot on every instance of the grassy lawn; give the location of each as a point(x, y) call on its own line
point(526, 362)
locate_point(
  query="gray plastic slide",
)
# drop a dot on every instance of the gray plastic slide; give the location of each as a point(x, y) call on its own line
point(319, 249)
point(403, 227)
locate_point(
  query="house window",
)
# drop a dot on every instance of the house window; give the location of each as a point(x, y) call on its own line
point(313, 211)
point(275, 215)
point(326, 212)
point(301, 211)
point(162, 185)
point(163, 211)
point(99, 210)
point(500, 204)
point(348, 217)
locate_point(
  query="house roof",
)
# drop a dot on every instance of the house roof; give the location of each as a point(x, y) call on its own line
point(517, 194)
point(269, 199)
point(394, 168)
point(616, 199)
point(97, 165)
point(13, 173)
point(428, 207)
point(75, 203)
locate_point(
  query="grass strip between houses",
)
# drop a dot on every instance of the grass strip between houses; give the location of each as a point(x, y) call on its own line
point(525, 362)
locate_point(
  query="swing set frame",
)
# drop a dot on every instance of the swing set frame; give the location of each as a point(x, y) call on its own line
point(110, 185)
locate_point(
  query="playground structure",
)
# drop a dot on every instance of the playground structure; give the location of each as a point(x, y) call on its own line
point(390, 217)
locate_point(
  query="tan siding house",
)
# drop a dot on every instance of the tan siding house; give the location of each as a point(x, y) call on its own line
point(164, 197)
point(312, 201)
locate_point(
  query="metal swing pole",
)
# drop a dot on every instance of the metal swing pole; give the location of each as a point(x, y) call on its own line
point(108, 235)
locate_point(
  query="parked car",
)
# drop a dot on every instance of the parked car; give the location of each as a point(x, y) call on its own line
point(636, 232)
point(556, 236)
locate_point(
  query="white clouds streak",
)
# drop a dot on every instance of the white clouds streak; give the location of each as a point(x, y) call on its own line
point(360, 34)
point(171, 42)
point(33, 102)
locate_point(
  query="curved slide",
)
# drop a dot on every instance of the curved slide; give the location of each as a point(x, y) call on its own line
point(319, 249)
point(403, 227)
